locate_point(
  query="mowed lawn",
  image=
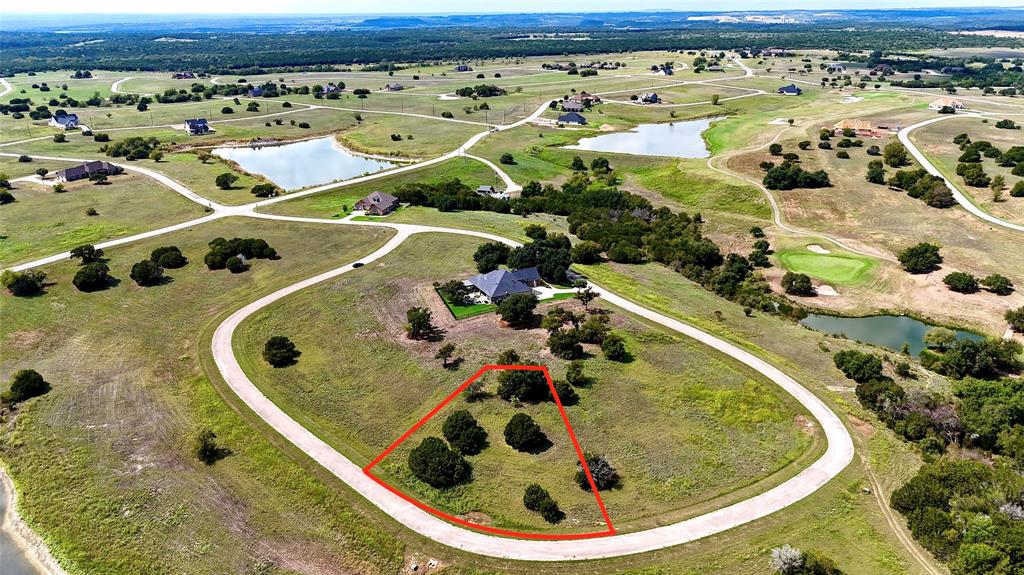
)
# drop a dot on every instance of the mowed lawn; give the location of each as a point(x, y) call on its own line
point(680, 422)
point(41, 222)
point(103, 463)
point(836, 267)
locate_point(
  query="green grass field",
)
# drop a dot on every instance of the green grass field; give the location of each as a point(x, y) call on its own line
point(688, 428)
point(837, 267)
point(41, 222)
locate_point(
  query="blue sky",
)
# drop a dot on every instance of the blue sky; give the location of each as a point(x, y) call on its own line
point(457, 6)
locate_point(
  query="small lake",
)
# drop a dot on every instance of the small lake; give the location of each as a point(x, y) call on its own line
point(675, 140)
point(303, 164)
point(888, 331)
point(12, 557)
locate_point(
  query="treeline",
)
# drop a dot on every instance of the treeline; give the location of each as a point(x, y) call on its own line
point(624, 228)
point(224, 52)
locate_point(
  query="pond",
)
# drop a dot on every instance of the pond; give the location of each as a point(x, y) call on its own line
point(13, 558)
point(676, 140)
point(888, 331)
point(302, 164)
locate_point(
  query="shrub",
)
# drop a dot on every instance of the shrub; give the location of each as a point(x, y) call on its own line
point(797, 284)
point(265, 190)
point(614, 347)
point(843, 155)
point(92, 277)
point(26, 384)
point(1015, 317)
point(26, 283)
point(858, 366)
point(419, 324)
point(565, 344)
point(279, 351)
point(147, 273)
point(536, 498)
point(566, 394)
point(438, 466)
point(168, 257)
point(227, 110)
point(464, 433)
point(921, 258)
point(206, 448)
point(605, 476)
point(961, 282)
point(6, 197)
point(527, 386)
point(523, 434)
point(507, 159)
point(235, 265)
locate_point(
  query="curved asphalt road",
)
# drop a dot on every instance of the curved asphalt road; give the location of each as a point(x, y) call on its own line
point(837, 456)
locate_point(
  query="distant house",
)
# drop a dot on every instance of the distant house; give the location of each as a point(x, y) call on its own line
point(87, 169)
point(255, 92)
point(183, 76)
point(378, 204)
point(572, 118)
point(951, 102)
point(499, 284)
point(585, 98)
point(790, 90)
point(773, 52)
point(570, 106)
point(715, 68)
point(662, 70)
point(648, 98)
point(64, 121)
point(463, 68)
point(197, 127)
point(393, 87)
point(332, 88)
point(485, 190)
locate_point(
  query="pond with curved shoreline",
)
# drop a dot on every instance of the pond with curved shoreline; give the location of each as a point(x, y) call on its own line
point(675, 140)
point(302, 164)
point(889, 331)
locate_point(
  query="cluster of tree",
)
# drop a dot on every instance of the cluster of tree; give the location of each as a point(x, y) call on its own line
point(132, 148)
point(230, 253)
point(985, 359)
point(797, 284)
point(918, 184)
point(448, 196)
point(789, 176)
point(480, 91)
point(25, 384)
point(567, 330)
point(1015, 317)
point(966, 283)
point(521, 385)
point(967, 513)
point(24, 283)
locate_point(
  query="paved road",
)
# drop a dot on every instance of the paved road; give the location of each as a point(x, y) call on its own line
point(959, 196)
point(837, 456)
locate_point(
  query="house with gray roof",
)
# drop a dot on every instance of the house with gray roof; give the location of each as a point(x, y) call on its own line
point(378, 204)
point(64, 121)
point(570, 106)
point(83, 171)
point(499, 284)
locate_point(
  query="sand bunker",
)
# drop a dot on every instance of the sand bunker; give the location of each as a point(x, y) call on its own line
point(817, 249)
point(778, 122)
point(850, 99)
point(448, 97)
point(826, 290)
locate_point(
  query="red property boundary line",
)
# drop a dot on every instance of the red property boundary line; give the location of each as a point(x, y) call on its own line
point(470, 524)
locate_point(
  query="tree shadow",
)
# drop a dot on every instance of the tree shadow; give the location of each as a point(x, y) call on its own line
point(454, 364)
point(541, 447)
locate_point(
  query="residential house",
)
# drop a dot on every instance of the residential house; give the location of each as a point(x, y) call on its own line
point(255, 92)
point(378, 204)
point(773, 52)
point(572, 118)
point(87, 169)
point(332, 88)
point(648, 98)
point(715, 68)
point(951, 102)
point(183, 76)
point(463, 68)
point(197, 127)
point(393, 87)
point(499, 284)
point(790, 90)
point(64, 121)
point(485, 190)
point(570, 106)
point(585, 98)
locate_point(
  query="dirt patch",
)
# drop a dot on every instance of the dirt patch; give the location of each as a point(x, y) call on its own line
point(26, 339)
point(477, 517)
point(863, 428)
point(805, 425)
